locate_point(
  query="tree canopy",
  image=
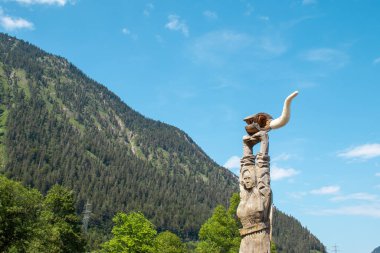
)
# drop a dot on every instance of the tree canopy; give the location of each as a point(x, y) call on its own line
point(31, 223)
point(132, 233)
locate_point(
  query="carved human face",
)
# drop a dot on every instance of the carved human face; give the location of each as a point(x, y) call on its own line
point(248, 180)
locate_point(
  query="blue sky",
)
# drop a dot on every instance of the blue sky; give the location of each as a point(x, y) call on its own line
point(205, 65)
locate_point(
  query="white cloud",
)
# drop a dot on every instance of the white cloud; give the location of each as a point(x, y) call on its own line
point(365, 151)
point(278, 173)
point(210, 15)
point(271, 45)
point(126, 31)
point(376, 61)
point(47, 2)
point(357, 210)
point(282, 157)
point(263, 18)
point(308, 2)
point(355, 196)
point(232, 163)
point(297, 195)
point(220, 47)
point(327, 55)
point(148, 9)
point(377, 174)
point(176, 24)
point(11, 23)
point(326, 190)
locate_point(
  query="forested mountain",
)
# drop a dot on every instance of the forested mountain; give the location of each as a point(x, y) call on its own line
point(377, 250)
point(58, 126)
point(291, 237)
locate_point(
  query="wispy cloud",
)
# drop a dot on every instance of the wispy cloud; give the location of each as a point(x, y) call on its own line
point(372, 210)
point(11, 23)
point(46, 2)
point(232, 163)
point(176, 24)
point(377, 174)
point(219, 47)
point(297, 195)
point(263, 18)
point(327, 55)
point(282, 157)
point(215, 47)
point(210, 14)
point(376, 61)
point(309, 2)
point(326, 190)
point(365, 151)
point(272, 45)
point(278, 173)
point(248, 9)
point(148, 9)
point(356, 196)
point(128, 32)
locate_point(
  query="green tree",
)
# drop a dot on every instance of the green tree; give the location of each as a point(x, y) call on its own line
point(64, 230)
point(208, 247)
point(219, 233)
point(20, 209)
point(234, 202)
point(167, 242)
point(132, 233)
point(273, 248)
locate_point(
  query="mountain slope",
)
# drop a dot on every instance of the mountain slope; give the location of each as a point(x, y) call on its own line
point(377, 250)
point(291, 237)
point(59, 126)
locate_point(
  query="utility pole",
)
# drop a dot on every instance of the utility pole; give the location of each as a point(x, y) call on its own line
point(335, 249)
point(86, 217)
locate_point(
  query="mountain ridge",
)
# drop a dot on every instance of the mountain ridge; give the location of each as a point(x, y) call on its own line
point(57, 125)
point(78, 133)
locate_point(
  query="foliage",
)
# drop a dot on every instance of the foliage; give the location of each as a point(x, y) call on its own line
point(132, 233)
point(59, 126)
point(219, 233)
point(167, 242)
point(29, 223)
point(273, 248)
point(60, 214)
point(19, 215)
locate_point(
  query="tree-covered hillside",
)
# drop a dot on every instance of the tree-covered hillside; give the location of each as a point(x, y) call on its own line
point(377, 250)
point(291, 237)
point(59, 126)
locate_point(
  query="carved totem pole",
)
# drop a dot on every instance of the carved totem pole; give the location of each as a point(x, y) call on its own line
point(255, 207)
